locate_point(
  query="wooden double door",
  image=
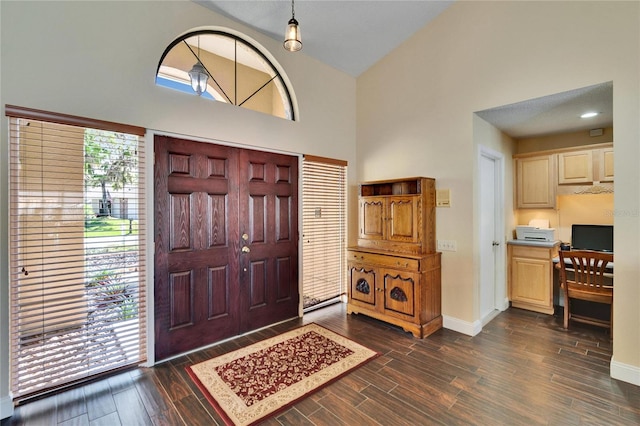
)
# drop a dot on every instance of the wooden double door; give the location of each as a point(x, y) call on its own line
point(226, 242)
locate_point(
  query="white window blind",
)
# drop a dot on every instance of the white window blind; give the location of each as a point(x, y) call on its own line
point(77, 249)
point(323, 229)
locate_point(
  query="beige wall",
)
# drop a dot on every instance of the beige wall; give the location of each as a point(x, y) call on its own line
point(564, 140)
point(415, 111)
point(595, 209)
point(414, 108)
point(99, 60)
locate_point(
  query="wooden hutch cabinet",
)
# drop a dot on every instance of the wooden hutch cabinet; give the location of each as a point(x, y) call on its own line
point(394, 272)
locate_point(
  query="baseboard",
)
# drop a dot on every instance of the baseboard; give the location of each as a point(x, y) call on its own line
point(6, 407)
point(625, 372)
point(504, 306)
point(464, 327)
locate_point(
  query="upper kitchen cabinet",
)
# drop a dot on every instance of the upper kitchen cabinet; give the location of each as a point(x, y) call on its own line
point(398, 215)
point(604, 160)
point(535, 182)
point(586, 166)
point(575, 167)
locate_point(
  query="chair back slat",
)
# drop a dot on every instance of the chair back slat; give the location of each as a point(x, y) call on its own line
point(591, 281)
point(589, 269)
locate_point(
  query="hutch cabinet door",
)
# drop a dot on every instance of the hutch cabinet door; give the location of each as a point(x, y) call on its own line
point(372, 218)
point(362, 285)
point(403, 213)
point(400, 288)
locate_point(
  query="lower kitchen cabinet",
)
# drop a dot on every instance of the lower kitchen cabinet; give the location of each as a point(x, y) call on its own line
point(401, 289)
point(531, 276)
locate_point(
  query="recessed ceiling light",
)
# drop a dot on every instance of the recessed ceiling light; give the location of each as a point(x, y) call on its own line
point(589, 114)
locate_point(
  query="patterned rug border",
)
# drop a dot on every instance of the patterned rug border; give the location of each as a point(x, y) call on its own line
point(269, 342)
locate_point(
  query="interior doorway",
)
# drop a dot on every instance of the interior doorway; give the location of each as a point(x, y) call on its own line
point(492, 240)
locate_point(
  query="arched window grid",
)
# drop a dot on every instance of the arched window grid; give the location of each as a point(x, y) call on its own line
point(243, 53)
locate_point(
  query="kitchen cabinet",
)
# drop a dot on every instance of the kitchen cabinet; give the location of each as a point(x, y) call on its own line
point(403, 290)
point(398, 215)
point(575, 167)
point(530, 275)
point(604, 159)
point(535, 182)
point(585, 166)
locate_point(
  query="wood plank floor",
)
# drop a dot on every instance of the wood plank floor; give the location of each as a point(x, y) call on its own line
point(522, 369)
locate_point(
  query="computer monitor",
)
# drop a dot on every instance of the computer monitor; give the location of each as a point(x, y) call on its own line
point(592, 237)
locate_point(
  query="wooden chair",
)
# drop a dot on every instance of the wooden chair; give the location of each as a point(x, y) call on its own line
point(583, 276)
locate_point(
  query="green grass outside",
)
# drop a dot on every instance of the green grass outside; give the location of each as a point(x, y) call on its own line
point(108, 227)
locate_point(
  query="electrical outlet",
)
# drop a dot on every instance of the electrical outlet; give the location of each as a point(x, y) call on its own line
point(447, 245)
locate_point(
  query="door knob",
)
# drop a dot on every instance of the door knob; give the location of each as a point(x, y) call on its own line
point(495, 243)
point(245, 236)
point(246, 249)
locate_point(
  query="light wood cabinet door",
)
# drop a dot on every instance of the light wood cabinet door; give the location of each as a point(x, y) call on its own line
point(605, 164)
point(575, 167)
point(531, 278)
point(535, 182)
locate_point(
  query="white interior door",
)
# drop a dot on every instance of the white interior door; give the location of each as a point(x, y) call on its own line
point(491, 238)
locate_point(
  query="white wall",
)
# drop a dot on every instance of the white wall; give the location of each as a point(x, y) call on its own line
point(415, 112)
point(99, 59)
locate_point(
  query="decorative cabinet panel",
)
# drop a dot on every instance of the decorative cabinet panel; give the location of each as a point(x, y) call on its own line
point(531, 277)
point(394, 272)
point(535, 182)
point(398, 216)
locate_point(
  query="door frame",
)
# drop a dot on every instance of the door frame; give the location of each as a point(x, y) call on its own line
point(501, 301)
point(149, 212)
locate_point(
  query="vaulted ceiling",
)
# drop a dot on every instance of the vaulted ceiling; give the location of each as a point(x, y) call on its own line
point(351, 36)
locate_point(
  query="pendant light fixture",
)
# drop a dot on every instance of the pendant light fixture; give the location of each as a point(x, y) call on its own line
point(198, 75)
point(292, 41)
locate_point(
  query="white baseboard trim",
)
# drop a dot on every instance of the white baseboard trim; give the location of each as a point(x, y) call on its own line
point(6, 407)
point(504, 306)
point(464, 327)
point(625, 372)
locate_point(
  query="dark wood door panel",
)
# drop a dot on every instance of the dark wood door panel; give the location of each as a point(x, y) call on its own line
point(196, 291)
point(268, 214)
point(213, 202)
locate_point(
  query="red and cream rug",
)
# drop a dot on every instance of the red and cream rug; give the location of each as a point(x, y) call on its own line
point(250, 384)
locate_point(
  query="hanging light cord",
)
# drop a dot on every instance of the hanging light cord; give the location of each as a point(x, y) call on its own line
point(293, 12)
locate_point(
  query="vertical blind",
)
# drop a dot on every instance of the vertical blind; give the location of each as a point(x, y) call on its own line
point(323, 229)
point(77, 249)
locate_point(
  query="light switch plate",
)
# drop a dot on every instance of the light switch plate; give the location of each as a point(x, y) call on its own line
point(447, 245)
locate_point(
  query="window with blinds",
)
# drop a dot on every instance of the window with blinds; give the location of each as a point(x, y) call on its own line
point(77, 249)
point(324, 230)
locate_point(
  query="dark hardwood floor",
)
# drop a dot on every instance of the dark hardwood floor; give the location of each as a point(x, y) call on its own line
point(522, 369)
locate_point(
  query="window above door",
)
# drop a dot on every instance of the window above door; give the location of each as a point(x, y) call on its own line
point(237, 72)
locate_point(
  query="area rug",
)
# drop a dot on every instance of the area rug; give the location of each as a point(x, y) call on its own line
point(253, 383)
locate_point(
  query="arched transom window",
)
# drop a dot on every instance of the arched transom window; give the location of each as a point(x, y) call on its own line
point(236, 72)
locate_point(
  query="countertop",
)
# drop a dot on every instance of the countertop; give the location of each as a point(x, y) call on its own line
point(533, 243)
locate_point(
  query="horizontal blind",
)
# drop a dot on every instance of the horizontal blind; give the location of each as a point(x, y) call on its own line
point(77, 250)
point(323, 229)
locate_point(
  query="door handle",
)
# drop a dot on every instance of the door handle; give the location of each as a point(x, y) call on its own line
point(245, 249)
point(495, 243)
